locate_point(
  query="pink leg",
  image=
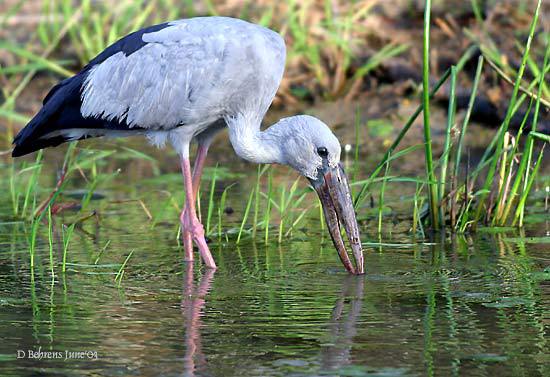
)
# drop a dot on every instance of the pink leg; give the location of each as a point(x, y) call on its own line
point(197, 174)
point(190, 222)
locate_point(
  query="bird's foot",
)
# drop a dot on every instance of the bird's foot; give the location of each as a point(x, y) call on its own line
point(193, 230)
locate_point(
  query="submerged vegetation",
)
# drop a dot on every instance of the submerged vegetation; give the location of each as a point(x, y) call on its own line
point(332, 52)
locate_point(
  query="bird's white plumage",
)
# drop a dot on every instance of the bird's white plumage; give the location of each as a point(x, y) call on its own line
point(189, 74)
point(192, 74)
point(297, 139)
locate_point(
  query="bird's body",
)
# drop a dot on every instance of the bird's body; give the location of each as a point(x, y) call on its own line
point(170, 82)
point(186, 80)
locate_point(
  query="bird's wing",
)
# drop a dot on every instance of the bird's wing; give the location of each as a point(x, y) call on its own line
point(191, 72)
point(185, 72)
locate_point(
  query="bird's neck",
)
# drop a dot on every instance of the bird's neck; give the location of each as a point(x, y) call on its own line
point(252, 144)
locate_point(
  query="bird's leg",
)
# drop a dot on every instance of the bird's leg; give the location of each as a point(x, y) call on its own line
point(197, 174)
point(190, 222)
point(199, 165)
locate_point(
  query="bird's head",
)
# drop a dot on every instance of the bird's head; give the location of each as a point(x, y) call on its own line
point(311, 148)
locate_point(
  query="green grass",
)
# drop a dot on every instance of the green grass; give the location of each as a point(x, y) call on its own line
point(122, 270)
point(523, 172)
point(430, 173)
point(67, 232)
point(458, 154)
point(481, 205)
point(50, 242)
point(460, 208)
point(381, 197)
point(407, 126)
point(441, 192)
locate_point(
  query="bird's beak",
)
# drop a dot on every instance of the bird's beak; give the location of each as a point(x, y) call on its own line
point(332, 187)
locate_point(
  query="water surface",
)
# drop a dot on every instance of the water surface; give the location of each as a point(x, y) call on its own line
point(469, 307)
point(464, 305)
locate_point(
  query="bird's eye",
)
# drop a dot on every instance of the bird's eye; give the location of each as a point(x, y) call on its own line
point(322, 151)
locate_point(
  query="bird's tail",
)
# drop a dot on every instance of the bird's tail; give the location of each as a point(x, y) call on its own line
point(34, 135)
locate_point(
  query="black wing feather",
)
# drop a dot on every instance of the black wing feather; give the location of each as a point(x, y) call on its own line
point(61, 106)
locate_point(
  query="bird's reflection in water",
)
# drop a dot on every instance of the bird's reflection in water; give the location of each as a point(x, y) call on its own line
point(342, 324)
point(192, 304)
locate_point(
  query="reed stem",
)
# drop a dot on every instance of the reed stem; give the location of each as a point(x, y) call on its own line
point(430, 174)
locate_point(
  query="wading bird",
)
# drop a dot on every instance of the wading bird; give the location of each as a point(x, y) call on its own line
point(184, 81)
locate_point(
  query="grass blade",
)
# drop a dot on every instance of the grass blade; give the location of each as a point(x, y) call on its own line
point(430, 174)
